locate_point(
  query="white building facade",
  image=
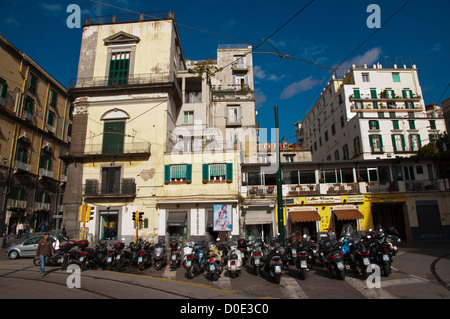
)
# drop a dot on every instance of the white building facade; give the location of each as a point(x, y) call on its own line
point(372, 113)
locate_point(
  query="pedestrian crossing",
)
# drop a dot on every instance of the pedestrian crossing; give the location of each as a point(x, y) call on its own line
point(291, 288)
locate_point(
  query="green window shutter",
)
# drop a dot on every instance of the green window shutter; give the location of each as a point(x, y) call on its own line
point(419, 141)
point(205, 173)
point(371, 142)
point(356, 94)
point(393, 94)
point(393, 143)
point(188, 173)
point(166, 174)
point(410, 93)
point(373, 94)
point(396, 77)
point(403, 142)
point(113, 137)
point(4, 90)
point(229, 172)
point(404, 94)
point(380, 138)
point(375, 105)
point(395, 124)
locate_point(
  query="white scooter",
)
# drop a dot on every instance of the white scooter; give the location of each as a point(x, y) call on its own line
point(187, 250)
point(234, 264)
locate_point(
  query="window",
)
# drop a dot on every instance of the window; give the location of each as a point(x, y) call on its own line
point(376, 143)
point(342, 121)
point(22, 154)
point(373, 93)
point(217, 172)
point(51, 119)
point(28, 108)
point(345, 152)
point(365, 77)
point(254, 178)
point(412, 124)
point(389, 94)
point(111, 180)
point(357, 145)
point(374, 125)
point(358, 105)
point(407, 94)
point(53, 98)
point(395, 125)
point(333, 129)
point(189, 117)
point(409, 105)
point(113, 137)
point(398, 142)
point(69, 132)
point(307, 177)
point(336, 155)
point(291, 177)
point(396, 77)
point(375, 105)
point(177, 174)
point(326, 136)
point(432, 124)
point(3, 91)
point(414, 142)
point(193, 97)
point(33, 83)
point(289, 158)
point(356, 94)
point(45, 162)
point(119, 68)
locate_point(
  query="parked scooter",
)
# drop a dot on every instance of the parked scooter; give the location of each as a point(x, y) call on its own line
point(291, 249)
point(123, 257)
point(234, 261)
point(214, 263)
point(175, 255)
point(242, 246)
point(331, 257)
point(145, 259)
point(303, 261)
point(159, 256)
point(257, 256)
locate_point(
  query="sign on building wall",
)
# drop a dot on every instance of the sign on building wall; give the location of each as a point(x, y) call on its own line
point(222, 217)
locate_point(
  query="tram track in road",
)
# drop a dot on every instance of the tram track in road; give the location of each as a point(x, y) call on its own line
point(436, 276)
point(15, 271)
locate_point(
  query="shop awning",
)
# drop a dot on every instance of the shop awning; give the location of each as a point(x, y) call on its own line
point(257, 217)
point(304, 216)
point(347, 214)
point(176, 219)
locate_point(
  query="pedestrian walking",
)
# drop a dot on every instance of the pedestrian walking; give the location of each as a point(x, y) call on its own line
point(19, 230)
point(27, 229)
point(44, 250)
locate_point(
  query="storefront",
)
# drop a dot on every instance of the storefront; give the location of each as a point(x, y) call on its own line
point(312, 215)
point(258, 221)
point(197, 221)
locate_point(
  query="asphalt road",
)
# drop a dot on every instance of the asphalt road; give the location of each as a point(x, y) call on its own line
point(412, 278)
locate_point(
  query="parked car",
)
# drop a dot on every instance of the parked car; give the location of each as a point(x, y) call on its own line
point(29, 246)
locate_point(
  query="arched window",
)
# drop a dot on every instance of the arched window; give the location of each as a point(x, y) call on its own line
point(114, 131)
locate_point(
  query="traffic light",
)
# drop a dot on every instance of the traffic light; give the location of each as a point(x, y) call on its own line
point(141, 219)
point(133, 216)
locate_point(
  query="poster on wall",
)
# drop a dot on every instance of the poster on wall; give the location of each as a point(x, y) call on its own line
point(222, 217)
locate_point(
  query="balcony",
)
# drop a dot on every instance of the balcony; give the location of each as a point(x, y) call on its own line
point(339, 189)
point(45, 172)
point(127, 149)
point(16, 203)
point(41, 206)
point(22, 166)
point(93, 188)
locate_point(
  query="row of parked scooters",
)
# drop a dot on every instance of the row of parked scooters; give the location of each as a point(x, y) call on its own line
point(353, 251)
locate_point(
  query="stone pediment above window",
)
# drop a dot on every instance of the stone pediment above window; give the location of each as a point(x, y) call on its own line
point(121, 38)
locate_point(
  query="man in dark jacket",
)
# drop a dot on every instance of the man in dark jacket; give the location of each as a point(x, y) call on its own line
point(43, 251)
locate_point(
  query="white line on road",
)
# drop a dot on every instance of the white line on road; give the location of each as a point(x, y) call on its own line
point(291, 288)
point(371, 293)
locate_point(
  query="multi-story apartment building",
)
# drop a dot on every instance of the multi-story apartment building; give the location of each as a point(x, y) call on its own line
point(372, 113)
point(151, 134)
point(36, 126)
point(319, 197)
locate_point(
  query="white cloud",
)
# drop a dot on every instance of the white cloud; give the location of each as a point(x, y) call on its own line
point(297, 87)
point(260, 74)
point(371, 56)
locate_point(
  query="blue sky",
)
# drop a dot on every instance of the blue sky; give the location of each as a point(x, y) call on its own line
point(324, 33)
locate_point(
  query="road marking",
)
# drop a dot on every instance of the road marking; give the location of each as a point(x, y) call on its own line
point(223, 282)
point(398, 282)
point(371, 293)
point(291, 289)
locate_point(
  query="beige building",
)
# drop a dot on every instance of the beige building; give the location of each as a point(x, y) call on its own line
point(36, 125)
point(149, 136)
